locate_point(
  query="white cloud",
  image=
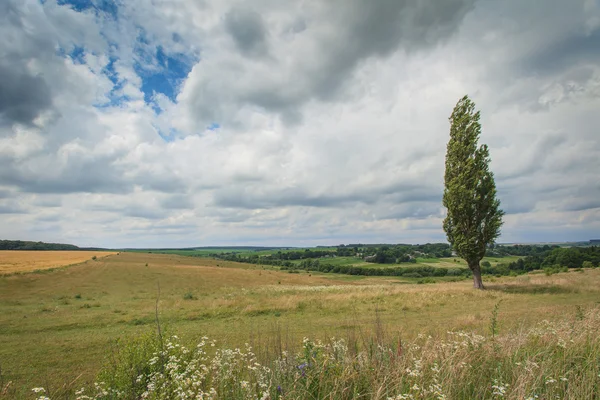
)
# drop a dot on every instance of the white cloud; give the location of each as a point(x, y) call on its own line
point(332, 120)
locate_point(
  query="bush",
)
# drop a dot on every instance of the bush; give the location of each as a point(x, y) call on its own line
point(486, 264)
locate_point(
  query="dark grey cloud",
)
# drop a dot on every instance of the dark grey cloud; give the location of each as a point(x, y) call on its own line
point(378, 28)
point(23, 97)
point(257, 197)
point(82, 174)
point(248, 31)
point(343, 34)
point(134, 210)
point(582, 204)
point(143, 212)
point(11, 207)
point(575, 49)
point(415, 210)
point(50, 218)
point(177, 202)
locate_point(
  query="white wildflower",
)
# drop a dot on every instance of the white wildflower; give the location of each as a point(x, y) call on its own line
point(499, 388)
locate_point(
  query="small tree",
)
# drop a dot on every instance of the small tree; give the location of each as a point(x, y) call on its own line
point(474, 217)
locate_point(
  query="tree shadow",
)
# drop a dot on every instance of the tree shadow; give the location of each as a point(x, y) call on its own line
point(532, 289)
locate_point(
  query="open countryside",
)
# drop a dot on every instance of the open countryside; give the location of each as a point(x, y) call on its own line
point(61, 327)
point(314, 200)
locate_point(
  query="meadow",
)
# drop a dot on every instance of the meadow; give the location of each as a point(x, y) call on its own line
point(59, 327)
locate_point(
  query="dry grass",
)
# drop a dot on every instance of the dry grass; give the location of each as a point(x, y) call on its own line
point(60, 325)
point(17, 261)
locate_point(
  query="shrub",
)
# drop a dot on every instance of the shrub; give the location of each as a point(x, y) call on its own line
point(486, 264)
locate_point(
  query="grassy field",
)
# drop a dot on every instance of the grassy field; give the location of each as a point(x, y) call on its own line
point(57, 328)
point(17, 261)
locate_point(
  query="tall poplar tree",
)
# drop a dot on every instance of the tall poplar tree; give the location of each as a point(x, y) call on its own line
point(474, 216)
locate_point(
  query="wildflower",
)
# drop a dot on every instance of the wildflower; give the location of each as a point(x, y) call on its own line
point(550, 381)
point(499, 388)
point(564, 379)
point(38, 390)
point(302, 368)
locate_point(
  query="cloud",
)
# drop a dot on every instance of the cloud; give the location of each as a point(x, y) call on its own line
point(247, 30)
point(186, 123)
point(313, 63)
point(23, 97)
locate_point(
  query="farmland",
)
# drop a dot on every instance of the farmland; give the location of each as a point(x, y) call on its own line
point(26, 261)
point(56, 327)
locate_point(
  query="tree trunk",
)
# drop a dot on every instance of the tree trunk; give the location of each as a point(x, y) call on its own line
point(476, 269)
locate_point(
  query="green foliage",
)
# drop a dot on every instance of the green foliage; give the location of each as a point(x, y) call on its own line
point(474, 217)
point(556, 258)
point(486, 264)
point(130, 360)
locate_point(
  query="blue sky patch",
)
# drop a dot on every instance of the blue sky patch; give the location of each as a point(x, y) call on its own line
point(108, 7)
point(160, 71)
point(77, 55)
point(165, 74)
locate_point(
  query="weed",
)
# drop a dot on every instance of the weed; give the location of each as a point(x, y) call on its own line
point(494, 319)
point(189, 296)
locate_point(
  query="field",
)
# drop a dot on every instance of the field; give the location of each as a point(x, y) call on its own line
point(58, 328)
point(26, 261)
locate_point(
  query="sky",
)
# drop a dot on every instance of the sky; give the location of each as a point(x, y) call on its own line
point(155, 123)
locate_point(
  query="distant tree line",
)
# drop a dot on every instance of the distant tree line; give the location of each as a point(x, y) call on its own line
point(519, 250)
point(552, 257)
point(25, 245)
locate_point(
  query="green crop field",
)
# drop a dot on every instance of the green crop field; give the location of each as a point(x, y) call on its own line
point(58, 328)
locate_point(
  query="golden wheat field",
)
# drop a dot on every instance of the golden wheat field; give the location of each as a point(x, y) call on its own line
point(15, 261)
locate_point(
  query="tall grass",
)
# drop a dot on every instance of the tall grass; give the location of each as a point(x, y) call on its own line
point(553, 359)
